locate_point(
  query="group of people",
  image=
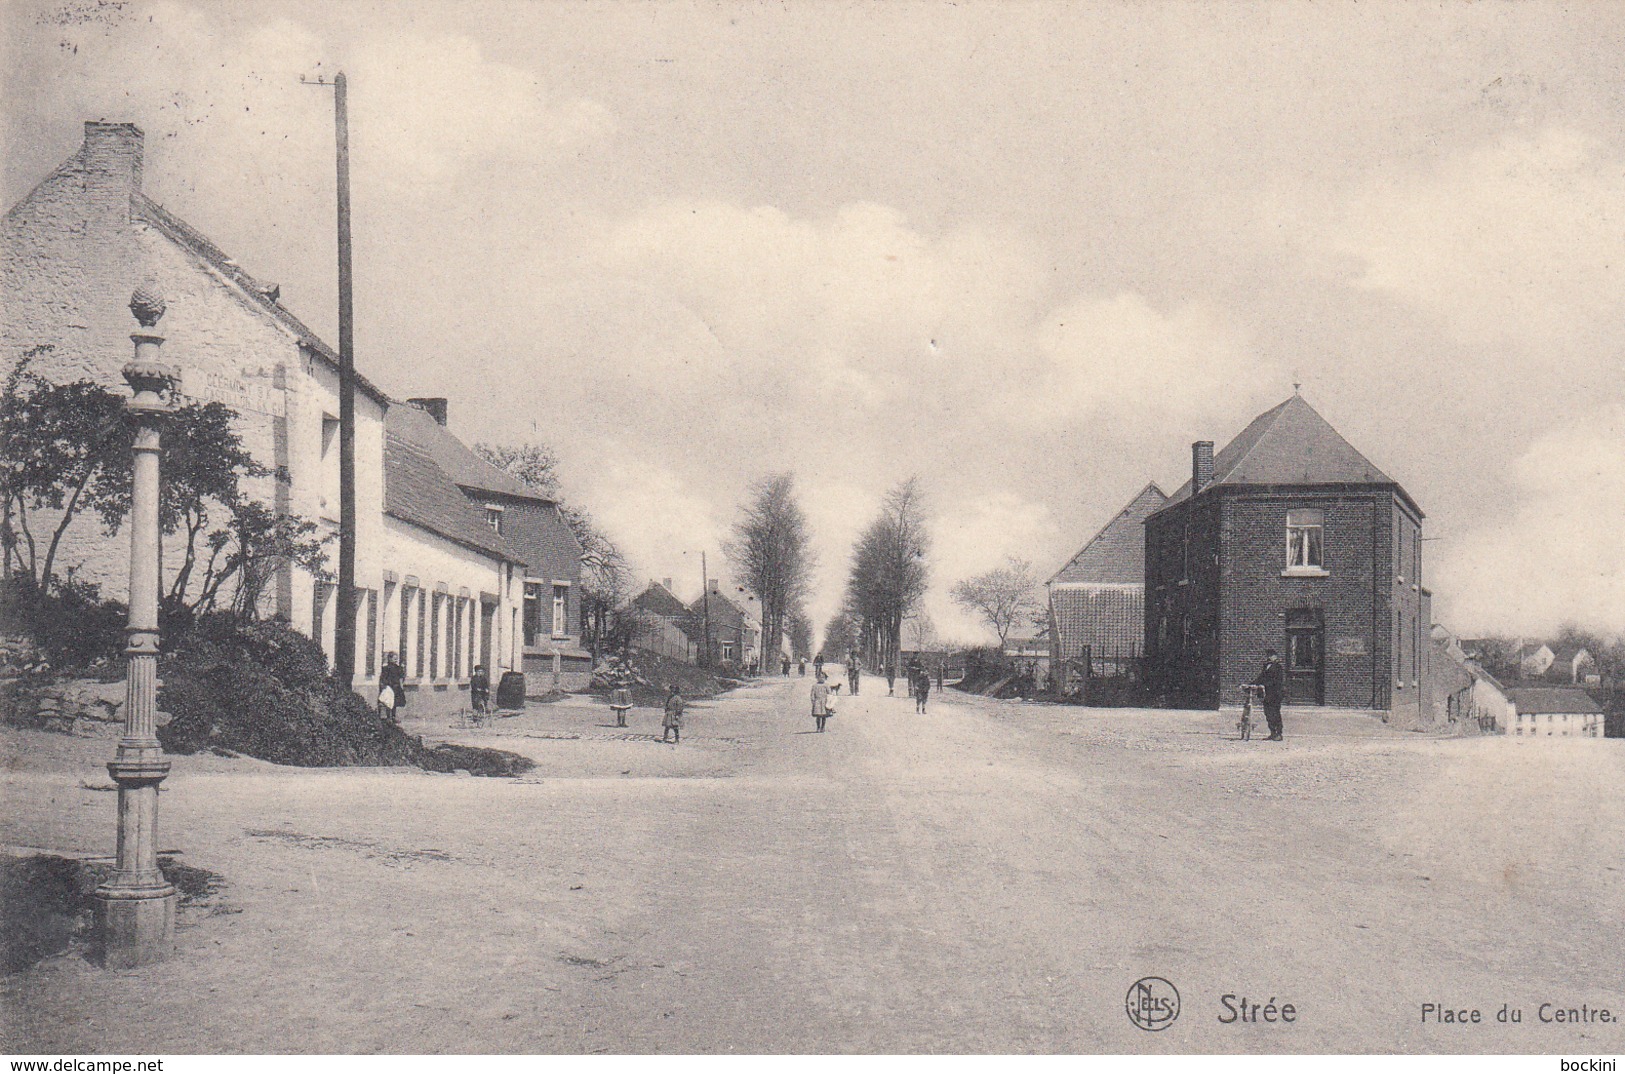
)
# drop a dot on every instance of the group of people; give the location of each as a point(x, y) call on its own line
point(823, 704)
point(392, 689)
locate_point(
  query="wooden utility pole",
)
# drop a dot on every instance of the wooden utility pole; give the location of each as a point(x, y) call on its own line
point(344, 626)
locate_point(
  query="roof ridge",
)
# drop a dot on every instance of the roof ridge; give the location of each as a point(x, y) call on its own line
point(1150, 486)
point(212, 254)
point(1269, 418)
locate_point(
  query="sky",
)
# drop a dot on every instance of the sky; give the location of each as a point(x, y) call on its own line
point(1026, 251)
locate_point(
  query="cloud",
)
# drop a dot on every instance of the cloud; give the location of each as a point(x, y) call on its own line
point(1116, 357)
point(1552, 555)
point(1521, 238)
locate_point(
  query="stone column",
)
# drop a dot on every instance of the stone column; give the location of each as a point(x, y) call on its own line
point(137, 904)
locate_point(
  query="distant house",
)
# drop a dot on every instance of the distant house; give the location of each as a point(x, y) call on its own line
point(1573, 664)
point(735, 629)
point(1462, 693)
point(1030, 650)
point(1288, 539)
point(1535, 659)
point(531, 525)
point(665, 625)
point(1556, 712)
point(1097, 600)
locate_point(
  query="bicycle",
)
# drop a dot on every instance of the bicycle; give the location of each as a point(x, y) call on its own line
point(1245, 724)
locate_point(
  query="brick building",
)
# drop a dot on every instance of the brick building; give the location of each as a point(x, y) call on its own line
point(1097, 600)
point(1289, 539)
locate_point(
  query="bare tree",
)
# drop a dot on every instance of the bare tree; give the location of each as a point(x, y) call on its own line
point(888, 575)
point(1003, 597)
point(771, 552)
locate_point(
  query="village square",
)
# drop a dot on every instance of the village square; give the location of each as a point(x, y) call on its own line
point(426, 681)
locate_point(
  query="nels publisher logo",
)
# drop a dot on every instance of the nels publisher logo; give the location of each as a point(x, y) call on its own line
point(1152, 1004)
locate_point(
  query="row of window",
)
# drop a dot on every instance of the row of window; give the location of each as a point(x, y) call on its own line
point(1585, 725)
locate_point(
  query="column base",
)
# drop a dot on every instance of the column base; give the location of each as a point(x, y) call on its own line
point(135, 927)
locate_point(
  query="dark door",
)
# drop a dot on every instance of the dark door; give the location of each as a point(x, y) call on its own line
point(1305, 658)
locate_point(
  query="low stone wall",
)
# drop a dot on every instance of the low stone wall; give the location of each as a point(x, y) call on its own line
point(74, 706)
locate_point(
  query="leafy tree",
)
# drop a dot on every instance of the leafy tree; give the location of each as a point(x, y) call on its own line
point(771, 551)
point(68, 449)
point(1002, 597)
point(888, 574)
point(535, 465)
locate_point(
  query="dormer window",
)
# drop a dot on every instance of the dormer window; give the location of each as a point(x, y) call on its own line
point(493, 518)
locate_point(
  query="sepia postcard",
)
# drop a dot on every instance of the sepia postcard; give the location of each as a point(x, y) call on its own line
point(812, 527)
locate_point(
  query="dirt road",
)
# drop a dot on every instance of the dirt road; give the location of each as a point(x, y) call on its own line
point(987, 877)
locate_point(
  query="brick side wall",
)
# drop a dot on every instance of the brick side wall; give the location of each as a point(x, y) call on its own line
point(1182, 602)
point(1351, 606)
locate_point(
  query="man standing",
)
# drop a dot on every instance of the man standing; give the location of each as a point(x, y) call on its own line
point(1273, 680)
point(852, 673)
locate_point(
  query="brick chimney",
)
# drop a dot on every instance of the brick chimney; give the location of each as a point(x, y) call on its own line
point(110, 161)
point(435, 406)
point(666, 582)
point(1201, 465)
point(713, 587)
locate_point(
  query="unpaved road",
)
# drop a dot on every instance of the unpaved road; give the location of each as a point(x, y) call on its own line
point(986, 878)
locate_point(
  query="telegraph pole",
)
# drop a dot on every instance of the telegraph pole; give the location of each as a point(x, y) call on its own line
point(344, 616)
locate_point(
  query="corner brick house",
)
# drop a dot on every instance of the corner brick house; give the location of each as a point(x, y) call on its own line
point(434, 582)
point(1289, 539)
point(1097, 601)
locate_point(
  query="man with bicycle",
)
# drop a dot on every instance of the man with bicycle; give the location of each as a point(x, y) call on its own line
point(1272, 680)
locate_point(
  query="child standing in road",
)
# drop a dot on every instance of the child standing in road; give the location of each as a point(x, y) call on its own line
point(922, 691)
point(673, 729)
point(820, 702)
point(620, 699)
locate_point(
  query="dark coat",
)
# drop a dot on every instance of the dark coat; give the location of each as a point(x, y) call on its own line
point(1273, 680)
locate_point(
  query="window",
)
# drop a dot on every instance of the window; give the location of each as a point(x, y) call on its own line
point(423, 634)
point(434, 636)
point(1304, 551)
point(493, 517)
point(533, 612)
point(403, 653)
point(561, 611)
point(1302, 652)
point(330, 465)
point(372, 633)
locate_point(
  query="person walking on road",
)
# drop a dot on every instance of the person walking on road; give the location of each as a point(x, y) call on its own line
point(820, 703)
point(818, 665)
point(620, 699)
point(922, 690)
point(391, 688)
point(852, 674)
point(1273, 680)
point(801, 667)
point(891, 679)
point(673, 728)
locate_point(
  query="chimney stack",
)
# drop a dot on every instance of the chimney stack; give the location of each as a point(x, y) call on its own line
point(1201, 465)
point(712, 586)
point(110, 163)
point(435, 406)
point(666, 582)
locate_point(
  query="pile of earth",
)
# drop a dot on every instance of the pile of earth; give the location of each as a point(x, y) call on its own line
point(650, 676)
point(262, 689)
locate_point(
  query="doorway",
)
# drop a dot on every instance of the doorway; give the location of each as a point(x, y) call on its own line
point(1305, 657)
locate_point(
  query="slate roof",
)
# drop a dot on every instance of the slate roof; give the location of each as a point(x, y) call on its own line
point(1291, 444)
point(418, 491)
point(459, 461)
point(1116, 555)
point(659, 600)
point(262, 294)
point(1552, 699)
